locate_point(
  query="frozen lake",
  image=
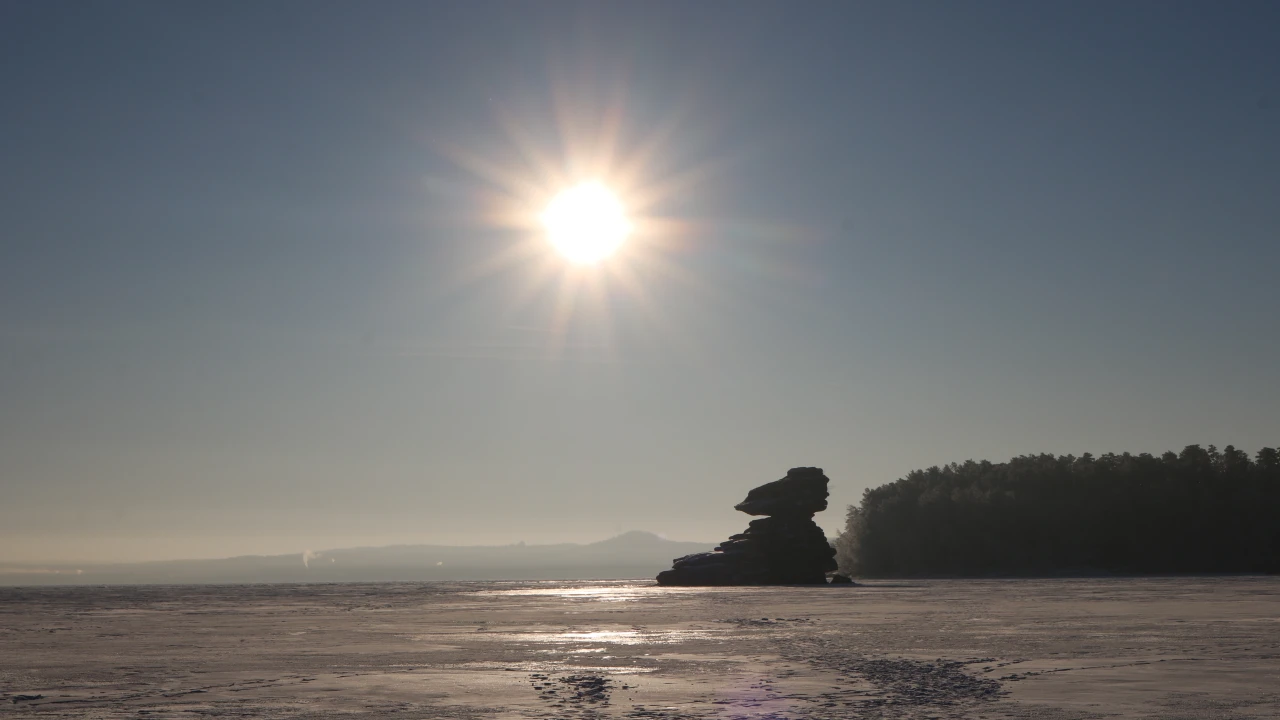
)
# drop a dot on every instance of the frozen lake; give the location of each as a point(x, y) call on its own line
point(1160, 648)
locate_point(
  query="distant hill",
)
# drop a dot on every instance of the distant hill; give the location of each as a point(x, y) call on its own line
point(634, 554)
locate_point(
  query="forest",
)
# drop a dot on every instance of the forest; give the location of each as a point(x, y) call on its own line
point(1198, 511)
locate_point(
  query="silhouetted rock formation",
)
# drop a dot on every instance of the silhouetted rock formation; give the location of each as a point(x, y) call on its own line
point(802, 492)
point(785, 548)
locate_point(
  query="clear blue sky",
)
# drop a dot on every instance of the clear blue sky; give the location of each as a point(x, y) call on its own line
point(248, 300)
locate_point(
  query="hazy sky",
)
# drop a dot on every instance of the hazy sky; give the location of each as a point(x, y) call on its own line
point(263, 285)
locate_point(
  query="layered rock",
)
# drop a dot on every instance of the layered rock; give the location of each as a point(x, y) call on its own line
point(784, 548)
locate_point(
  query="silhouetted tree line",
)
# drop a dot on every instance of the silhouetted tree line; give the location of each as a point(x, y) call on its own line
point(1198, 511)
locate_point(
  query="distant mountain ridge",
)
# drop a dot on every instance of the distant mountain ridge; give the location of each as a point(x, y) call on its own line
point(635, 554)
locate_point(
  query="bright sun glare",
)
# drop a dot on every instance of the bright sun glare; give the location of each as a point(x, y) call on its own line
point(586, 223)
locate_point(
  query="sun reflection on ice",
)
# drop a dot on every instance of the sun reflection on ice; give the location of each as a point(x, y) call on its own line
point(624, 591)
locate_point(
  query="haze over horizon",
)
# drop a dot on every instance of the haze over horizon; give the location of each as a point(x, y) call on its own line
point(630, 538)
point(268, 281)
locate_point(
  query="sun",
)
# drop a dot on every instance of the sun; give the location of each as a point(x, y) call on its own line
point(586, 223)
